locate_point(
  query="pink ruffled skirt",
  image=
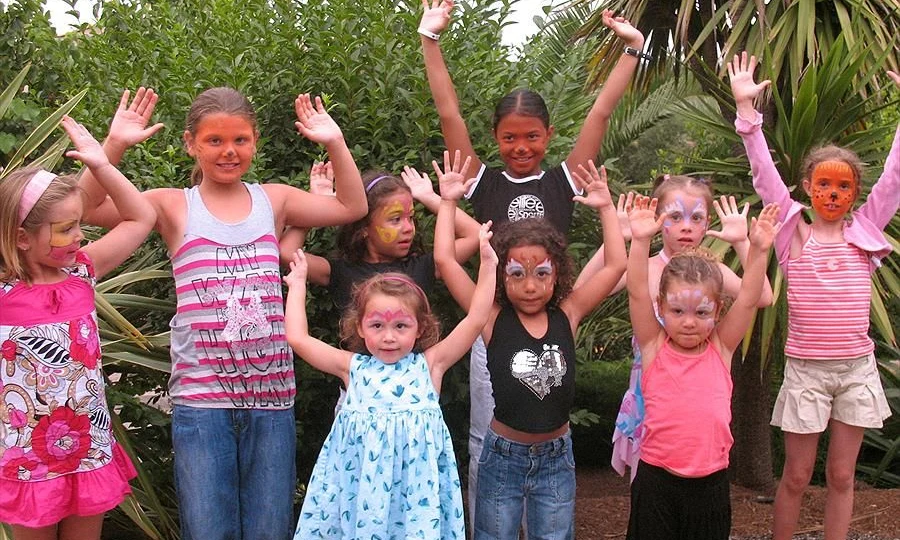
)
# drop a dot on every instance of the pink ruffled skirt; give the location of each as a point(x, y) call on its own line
point(43, 503)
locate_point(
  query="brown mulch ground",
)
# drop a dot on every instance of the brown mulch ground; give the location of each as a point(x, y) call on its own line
point(601, 510)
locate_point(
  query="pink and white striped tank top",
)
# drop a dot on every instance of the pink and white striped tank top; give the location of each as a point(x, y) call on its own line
point(228, 343)
point(829, 294)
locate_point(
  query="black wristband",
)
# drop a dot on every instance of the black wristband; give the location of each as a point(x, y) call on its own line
point(631, 51)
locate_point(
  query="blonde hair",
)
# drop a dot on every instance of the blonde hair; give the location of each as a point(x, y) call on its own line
point(694, 265)
point(665, 184)
point(222, 100)
point(11, 190)
point(389, 284)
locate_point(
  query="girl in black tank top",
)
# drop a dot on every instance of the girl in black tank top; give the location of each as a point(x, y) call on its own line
point(527, 456)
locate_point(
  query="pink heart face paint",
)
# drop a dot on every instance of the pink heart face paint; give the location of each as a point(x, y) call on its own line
point(687, 218)
point(391, 228)
point(388, 327)
point(530, 278)
point(832, 189)
point(689, 314)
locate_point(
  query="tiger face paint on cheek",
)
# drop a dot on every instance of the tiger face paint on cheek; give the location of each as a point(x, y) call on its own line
point(832, 189)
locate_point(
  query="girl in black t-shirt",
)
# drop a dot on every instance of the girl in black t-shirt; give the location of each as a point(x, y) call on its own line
point(526, 464)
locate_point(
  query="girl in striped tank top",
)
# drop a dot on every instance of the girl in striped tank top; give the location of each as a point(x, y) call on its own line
point(232, 380)
point(830, 376)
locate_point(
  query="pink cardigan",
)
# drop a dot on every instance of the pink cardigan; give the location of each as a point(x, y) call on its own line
point(865, 228)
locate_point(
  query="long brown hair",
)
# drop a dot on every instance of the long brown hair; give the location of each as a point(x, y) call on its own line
point(351, 239)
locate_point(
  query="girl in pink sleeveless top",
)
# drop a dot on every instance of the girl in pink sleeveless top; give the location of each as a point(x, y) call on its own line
point(681, 486)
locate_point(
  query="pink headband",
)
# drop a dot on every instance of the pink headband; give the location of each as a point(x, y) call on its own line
point(33, 192)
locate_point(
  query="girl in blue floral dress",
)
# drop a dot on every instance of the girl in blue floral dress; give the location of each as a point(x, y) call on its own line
point(387, 469)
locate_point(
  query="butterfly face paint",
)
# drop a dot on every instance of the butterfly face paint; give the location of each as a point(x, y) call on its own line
point(832, 189)
point(689, 314)
point(687, 218)
point(391, 228)
point(388, 328)
point(530, 278)
point(65, 239)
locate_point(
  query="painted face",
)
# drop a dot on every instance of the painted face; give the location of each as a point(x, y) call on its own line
point(689, 313)
point(522, 141)
point(832, 189)
point(686, 222)
point(56, 242)
point(223, 146)
point(389, 328)
point(391, 228)
point(530, 278)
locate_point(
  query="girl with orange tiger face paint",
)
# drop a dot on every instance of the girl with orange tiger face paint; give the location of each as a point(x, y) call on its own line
point(832, 189)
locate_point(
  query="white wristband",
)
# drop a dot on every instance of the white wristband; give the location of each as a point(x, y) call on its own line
point(429, 34)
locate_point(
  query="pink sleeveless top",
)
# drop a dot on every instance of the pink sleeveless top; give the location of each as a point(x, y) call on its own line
point(829, 293)
point(687, 402)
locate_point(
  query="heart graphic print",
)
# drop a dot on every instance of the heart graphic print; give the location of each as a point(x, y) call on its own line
point(539, 373)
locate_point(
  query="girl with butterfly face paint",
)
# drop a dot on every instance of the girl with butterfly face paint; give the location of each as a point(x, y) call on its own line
point(531, 360)
point(828, 264)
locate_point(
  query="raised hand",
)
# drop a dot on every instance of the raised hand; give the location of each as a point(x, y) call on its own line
point(624, 206)
point(623, 29)
point(314, 123)
point(87, 149)
point(644, 223)
point(488, 255)
point(419, 184)
point(740, 73)
point(734, 223)
point(299, 267)
point(894, 77)
point(452, 180)
point(129, 125)
point(436, 17)
point(593, 183)
point(764, 228)
point(321, 178)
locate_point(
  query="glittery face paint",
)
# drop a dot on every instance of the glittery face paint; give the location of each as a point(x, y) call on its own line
point(388, 328)
point(388, 316)
point(65, 239)
point(530, 278)
point(687, 218)
point(391, 228)
point(832, 189)
point(689, 314)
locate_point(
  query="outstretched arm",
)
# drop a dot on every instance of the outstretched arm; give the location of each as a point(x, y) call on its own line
point(884, 199)
point(466, 228)
point(734, 324)
point(448, 351)
point(137, 216)
point(734, 231)
point(596, 263)
point(302, 209)
point(590, 140)
point(128, 128)
point(435, 19)
point(316, 353)
point(644, 225)
point(453, 185)
point(584, 299)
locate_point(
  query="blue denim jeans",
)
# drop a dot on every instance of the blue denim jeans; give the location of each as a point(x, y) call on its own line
point(538, 479)
point(235, 473)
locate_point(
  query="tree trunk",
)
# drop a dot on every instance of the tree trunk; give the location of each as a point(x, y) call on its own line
point(751, 409)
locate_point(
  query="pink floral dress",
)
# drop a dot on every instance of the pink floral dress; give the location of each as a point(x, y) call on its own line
point(58, 456)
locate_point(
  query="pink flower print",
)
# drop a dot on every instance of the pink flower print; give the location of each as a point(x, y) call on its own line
point(16, 464)
point(85, 346)
point(45, 378)
point(62, 439)
point(8, 350)
point(17, 418)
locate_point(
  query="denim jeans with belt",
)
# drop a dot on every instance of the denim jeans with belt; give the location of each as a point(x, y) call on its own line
point(514, 476)
point(235, 473)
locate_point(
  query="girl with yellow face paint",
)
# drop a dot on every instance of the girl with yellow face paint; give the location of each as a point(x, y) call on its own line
point(828, 264)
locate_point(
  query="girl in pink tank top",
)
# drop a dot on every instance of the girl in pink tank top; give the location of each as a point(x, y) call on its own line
point(686, 379)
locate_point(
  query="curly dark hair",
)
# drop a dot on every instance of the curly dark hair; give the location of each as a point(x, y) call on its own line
point(534, 232)
point(389, 284)
point(351, 240)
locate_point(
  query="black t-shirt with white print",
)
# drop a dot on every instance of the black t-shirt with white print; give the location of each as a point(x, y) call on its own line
point(498, 197)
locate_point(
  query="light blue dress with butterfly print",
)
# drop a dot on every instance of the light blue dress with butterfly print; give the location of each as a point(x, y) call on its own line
point(387, 468)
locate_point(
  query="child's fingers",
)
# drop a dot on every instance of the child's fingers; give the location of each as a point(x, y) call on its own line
point(465, 167)
point(437, 169)
point(123, 101)
point(320, 108)
point(718, 208)
point(745, 210)
point(467, 185)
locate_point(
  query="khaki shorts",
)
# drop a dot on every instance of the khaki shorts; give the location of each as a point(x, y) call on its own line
point(815, 391)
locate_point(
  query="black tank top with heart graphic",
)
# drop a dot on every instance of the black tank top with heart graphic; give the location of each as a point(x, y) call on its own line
point(533, 379)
